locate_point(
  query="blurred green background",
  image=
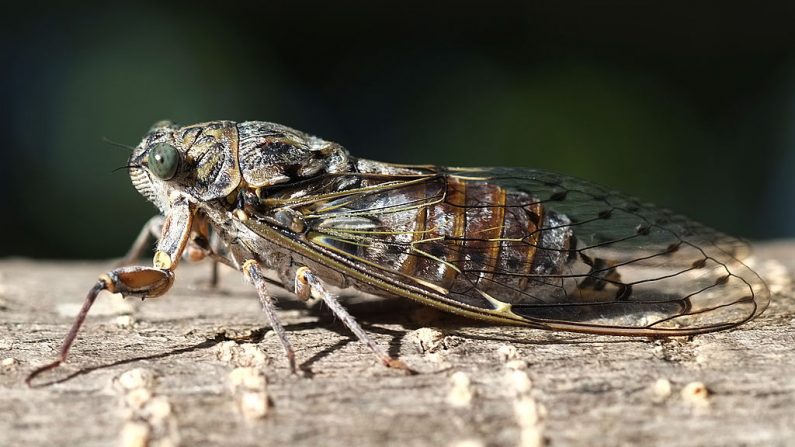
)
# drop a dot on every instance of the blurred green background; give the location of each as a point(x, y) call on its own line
point(689, 107)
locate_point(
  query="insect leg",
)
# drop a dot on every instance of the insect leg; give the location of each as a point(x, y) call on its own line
point(204, 244)
point(216, 246)
point(136, 281)
point(307, 284)
point(149, 232)
point(253, 271)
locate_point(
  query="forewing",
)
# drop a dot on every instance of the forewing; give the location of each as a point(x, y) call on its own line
point(597, 261)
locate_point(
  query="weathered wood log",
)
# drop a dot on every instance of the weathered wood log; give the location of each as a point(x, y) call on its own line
point(167, 372)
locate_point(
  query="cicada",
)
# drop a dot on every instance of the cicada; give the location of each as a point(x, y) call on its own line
point(508, 245)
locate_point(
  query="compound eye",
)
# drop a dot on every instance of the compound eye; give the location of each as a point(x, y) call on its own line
point(163, 160)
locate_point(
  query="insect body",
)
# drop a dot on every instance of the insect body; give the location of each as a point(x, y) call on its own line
point(514, 246)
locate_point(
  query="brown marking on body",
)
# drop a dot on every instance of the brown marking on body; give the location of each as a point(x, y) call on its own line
point(483, 232)
point(533, 235)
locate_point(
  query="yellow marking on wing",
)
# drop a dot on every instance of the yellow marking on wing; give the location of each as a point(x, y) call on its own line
point(505, 239)
point(333, 195)
point(376, 175)
point(430, 256)
point(500, 307)
point(389, 233)
point(430, 285)
point(464, 169)
point(389, 210)
point(380, 267)
point(498, 227)
point(319, 236)
point(335, 206)
point(467, 177)
point(400, 165)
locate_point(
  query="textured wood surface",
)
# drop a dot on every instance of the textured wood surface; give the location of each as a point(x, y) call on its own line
point(166, 372)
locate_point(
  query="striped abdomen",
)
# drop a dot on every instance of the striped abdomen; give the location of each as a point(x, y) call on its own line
point(465, 237)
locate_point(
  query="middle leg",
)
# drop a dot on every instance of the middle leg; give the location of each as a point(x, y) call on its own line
point(308, 284)
point(253, 271)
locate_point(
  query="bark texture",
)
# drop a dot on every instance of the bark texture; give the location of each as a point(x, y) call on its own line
point(201, 367)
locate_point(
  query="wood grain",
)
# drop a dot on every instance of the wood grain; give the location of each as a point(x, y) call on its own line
point(478, 385)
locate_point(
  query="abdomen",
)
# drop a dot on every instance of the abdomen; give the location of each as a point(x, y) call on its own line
point(461, 236)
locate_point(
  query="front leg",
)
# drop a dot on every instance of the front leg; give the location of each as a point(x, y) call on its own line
point(136, 281)
point(200, 245)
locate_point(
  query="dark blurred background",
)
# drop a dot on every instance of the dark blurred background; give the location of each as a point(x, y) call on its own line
point(689, 107)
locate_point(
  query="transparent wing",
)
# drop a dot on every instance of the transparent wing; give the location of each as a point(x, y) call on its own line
point(530, 247)
point(633, 268)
